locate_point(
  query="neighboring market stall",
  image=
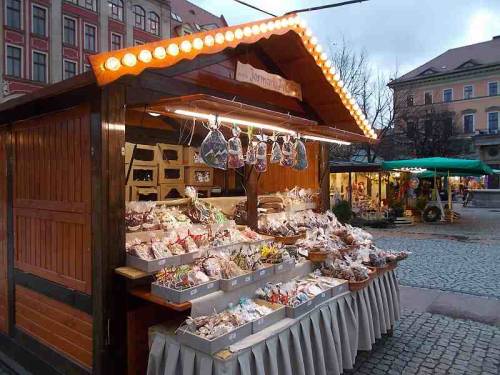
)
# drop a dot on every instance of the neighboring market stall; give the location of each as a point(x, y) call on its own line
point(105, 234)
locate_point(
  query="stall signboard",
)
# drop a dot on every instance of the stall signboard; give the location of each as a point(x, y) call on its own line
point(247, 73)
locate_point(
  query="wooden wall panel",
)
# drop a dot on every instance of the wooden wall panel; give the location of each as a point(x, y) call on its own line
point(278, 178)
point(3, 231)
point(52, 200)
point(60, 327)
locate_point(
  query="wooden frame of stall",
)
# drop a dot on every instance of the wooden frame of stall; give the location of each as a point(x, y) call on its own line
point(62, 204)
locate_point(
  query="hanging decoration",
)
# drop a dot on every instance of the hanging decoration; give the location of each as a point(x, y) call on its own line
point(235, 158)
point(275, 150)
point(213, 149)
point(287, 157)
point(251, 157)
point(261, 154)
point(300, 155)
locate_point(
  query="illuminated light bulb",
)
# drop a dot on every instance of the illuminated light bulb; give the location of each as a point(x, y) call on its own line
point(186, 46)
point(328, 64)
point(263, 28)
point(309, 32)
point(352, 101)
point(229, 36)
point(219, 38)
point(277, 24)
point(314, 41)
point(247, 31)
point(113, 64)
point(319, 48)
point(270, 25)
point(348, 95)
point(339, 81)
point(323, 56)
point(209, 40)
point(238, 33)
point(292, 21)
point(255, 29)
point(302, 22)
point(284, 22)
point(173, 49)
point(129, 60)
point(145, 56)
point(159, 53)
point(198, 43)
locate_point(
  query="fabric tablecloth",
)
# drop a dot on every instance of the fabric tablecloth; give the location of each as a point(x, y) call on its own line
point(322, 342)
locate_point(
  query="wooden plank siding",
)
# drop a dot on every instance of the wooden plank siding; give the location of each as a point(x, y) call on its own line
point(52, 200)
point(3, 231)
point(56, 325)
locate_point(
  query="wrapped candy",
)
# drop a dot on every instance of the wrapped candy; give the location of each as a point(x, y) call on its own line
point(287, 157)
point(235, 158)
point(261, 155)
point(275, 151)
point(251, 157)
point(300, 155)
point(213, 149)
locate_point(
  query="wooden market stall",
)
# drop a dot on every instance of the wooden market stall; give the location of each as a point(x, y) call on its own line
point(62, 187)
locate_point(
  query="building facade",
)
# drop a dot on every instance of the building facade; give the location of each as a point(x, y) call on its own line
point(46, 41)
point(464, 83)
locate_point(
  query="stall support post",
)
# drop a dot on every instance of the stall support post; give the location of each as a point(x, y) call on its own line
point(450, 208)
point(379, 190)
point(324, 173)
point(350, 190)
point(252, 199)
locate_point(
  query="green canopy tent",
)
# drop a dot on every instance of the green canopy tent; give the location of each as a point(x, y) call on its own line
point(439, 166)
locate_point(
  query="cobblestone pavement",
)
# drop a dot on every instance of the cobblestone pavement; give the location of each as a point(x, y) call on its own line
point(426, 343)
point(465, 267)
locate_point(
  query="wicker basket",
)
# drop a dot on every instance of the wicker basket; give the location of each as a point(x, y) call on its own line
point(290, 240)
point(358, 285)
point(391, 266)
point(372, 273)
point(317, 256)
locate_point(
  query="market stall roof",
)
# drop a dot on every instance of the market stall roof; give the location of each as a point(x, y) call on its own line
point(353, 166)
point(432, 174)
point(440, 164)
point(287, 43)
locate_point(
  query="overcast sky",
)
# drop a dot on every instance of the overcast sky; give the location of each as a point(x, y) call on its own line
point(394, 33)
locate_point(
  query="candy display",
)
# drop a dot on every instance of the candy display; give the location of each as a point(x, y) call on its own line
point(273, 253)
point(342, 269)
point(217, 267)
point(181, 277)
point(247, 258)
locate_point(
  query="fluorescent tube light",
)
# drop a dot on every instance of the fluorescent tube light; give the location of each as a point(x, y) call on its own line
point(328, 140)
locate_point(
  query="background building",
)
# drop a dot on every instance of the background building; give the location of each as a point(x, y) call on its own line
point(45, 41)
point(451, 104)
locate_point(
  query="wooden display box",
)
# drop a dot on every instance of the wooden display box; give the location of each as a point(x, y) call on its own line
point(143, 175)
point(170, 154)
point(203, 192)
point(192, 157)
point(199, 176)
point(144, 154)
point(168, 191)
point(170, 174)
point(128, 192)
point(139, 193)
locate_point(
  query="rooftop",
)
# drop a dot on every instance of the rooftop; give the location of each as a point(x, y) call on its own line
point(455, 60)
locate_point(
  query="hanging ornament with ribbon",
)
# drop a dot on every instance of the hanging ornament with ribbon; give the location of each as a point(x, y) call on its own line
point(213, 149)
point(235, 158)
point(261, 154)
point(275, 150)
point(251, 157)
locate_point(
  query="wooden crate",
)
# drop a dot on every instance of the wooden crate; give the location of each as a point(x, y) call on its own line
point(192, 157)
point(168, 191)
point(170, 174)
point(144, 154)
point(139, 193)
point(143, 175)
point(170, 154)
point(204, 192)
point(199, 176)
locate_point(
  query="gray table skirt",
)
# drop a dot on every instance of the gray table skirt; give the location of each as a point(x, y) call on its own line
point(325, 341)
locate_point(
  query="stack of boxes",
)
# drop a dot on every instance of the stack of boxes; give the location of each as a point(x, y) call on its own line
point(163, 171)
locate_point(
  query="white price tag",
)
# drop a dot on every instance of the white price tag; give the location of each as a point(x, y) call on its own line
point(234, 282)
point(309, 303)
point(232, 336)
point(262, 273)
point(210, 286)
point(193, 292)
point(248, 279)
point(162, 262)
point(280, 267)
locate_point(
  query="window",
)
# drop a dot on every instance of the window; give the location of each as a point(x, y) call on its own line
point(91, 4)
point(69, 31)
point(493, 121)
point(175, 17)
point(198, 27)
point(154, 23)
point(411, 129)
point(410, 101)
point(86, 67)
point(116, 9)
point(492, 88)
point(428, 98)
point(468, 92)
point(116, 41)
point(138, 42)
point(39, 25)
point(13, 11)
point(89, 38)
point(14, 61)
point(140, 17)
point(39, 73)
point(468, 123)
point(447, 95)
point(69, 69)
